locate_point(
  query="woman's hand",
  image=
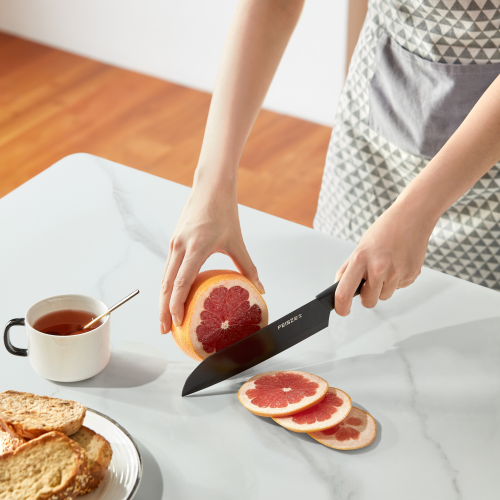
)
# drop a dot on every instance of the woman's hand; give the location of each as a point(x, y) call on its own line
point(209, 224)
point(389, 256)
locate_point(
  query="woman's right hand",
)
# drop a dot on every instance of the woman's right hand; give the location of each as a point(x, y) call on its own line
point(208, 224)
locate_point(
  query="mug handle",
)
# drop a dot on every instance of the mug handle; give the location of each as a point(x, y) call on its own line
point(17, 351)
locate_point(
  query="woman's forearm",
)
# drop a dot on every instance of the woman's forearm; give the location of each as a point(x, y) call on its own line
point(471, 151)
point(256, 41)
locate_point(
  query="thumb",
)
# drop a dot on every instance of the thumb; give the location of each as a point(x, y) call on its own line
point(243, 262)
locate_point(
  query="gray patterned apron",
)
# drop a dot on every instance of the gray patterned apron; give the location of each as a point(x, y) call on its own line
point(417, 70)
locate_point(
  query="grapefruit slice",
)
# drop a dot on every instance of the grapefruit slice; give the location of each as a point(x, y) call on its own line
point(330, 411)
point(357, 430)
point(222, 307)
point(279, 394)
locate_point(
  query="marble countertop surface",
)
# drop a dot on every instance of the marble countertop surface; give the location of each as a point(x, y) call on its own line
point(425, 364)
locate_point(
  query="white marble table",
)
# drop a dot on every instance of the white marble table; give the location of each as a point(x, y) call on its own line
point(425, 364)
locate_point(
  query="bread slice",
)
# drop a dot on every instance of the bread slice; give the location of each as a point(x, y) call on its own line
point(30, 416)
point(99, 454)
point(50, 467)
point(9, 442)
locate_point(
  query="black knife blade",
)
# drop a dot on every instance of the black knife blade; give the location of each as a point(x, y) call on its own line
point(264, 344)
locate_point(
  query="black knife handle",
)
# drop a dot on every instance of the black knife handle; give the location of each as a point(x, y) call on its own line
point(327, 296)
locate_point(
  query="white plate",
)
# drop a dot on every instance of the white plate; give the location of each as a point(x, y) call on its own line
point(123, 477)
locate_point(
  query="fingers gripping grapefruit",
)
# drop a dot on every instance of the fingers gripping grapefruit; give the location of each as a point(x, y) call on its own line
point(357, 430)
point(279, 394)
point(222, 307)
point(330, 411)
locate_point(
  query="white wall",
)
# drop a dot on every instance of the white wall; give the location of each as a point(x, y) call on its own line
point(181, 41)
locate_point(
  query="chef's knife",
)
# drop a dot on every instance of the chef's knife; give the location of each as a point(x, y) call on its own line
point(264, 344)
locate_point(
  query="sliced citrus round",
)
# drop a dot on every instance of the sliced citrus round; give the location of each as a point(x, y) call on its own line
point(331, 410)
point(222, 308)
point(279, 394)
point(357, 430)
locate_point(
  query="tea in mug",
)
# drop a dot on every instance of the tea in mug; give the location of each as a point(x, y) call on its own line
point(66, 322)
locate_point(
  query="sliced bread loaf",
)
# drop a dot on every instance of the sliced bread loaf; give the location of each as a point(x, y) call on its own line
point(50, 467)
point(99, 454)
point(9, 442)
point(30, 416)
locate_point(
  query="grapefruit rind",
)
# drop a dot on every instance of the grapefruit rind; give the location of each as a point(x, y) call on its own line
point(290, 409)
point(367, 429)
point(184, 335)
point(341, 413)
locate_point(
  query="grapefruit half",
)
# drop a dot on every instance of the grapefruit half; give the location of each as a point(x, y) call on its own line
point(357, 430)
point(222, 307)
point(279, 394)
point(330, 411)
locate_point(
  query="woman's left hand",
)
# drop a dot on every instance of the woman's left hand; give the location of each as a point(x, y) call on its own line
point(389, 256)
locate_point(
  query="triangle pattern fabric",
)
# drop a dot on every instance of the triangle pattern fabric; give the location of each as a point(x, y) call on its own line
point(364, 173)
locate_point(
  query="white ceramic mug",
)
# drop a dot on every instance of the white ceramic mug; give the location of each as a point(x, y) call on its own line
point(64, 359)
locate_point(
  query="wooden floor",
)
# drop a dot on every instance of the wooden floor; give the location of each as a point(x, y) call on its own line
point(53, 104)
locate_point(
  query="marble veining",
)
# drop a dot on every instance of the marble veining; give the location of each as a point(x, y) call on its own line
point(425, 364)
point(422, 419)
point(121, 263)
point(134, 228)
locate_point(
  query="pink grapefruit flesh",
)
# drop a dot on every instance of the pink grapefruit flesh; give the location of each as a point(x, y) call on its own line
point(227, 318)
point(330, 411)
point(279, 394)
point(222, 308)
point(357, 430)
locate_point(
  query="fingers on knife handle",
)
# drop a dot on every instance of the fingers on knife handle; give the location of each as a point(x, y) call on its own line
point(358, 290)
point(327, 296)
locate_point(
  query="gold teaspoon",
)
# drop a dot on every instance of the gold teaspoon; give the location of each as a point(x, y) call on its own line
point(111, 309)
